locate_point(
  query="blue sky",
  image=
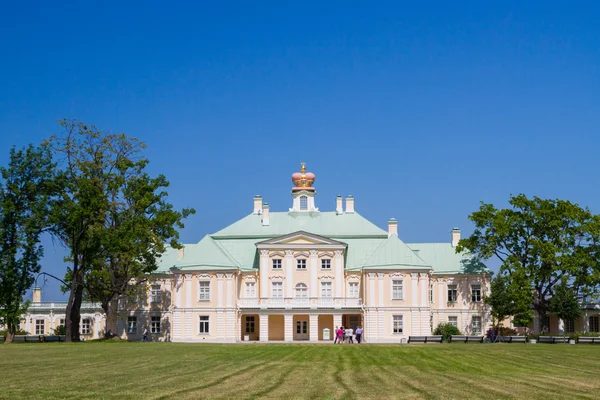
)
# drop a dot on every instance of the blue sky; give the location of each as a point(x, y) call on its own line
point(418, 109)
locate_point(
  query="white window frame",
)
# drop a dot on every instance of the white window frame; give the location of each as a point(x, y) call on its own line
point(250, 289)
point(570, 326)
point(398, 324)
point(453, 322)
point(430, 293)
point(155, 294)
point(155, 324)
point(301, 264)
point(277, 290)
point(86, 326)
point(353, 290)
point(479, 324)
point(204, 325)
point(204, 291)
point(452, 289)
point(327, 290)
point(326, 263)
point(301, 291)
point(277, 263)
point(476, 293)
point(397, 289)
point(40, 326)
point(131, 324)
point(594, 323)
point(250, 324)
point(304, 202)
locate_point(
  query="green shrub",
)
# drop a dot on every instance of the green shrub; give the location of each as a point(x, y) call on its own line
point(446, 330)
point(60, 330)
point(506, 331)
point(4, 332)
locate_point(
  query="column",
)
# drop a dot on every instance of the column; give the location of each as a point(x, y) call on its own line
point(372, 290)
point(441, 293)
point(465, 291)
point(229, 290)
point(288, 327)
point(414, 290)
point(414, 314)
point(424, 283)
point(188, 290)
point(337, 322)
point(313, 274)
point(313, 326)
point(96, 335)
point(380, 289)
point(178, 291)
point(339, 274)
point(264, 274)
point(289, 273)
point(219, 290)
point(263, 326)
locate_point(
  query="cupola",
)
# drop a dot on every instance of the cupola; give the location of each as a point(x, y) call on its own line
point(303, 191)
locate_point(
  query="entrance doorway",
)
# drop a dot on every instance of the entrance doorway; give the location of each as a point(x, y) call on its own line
point(301, 329)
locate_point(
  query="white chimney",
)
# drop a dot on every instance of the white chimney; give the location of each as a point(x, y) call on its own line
point(392, 227)
point(258, 204)
point(180, 253)
point(37, 295)
point(455, 237)
point(265, 214)
point(339, 209)
point(350, 204)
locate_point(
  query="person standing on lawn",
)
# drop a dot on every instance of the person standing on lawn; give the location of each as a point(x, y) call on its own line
point(145, 335)
point(337, 336)
point(358, 334)
point(349, 333)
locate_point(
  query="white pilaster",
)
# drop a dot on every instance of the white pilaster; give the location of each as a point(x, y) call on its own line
point(229, 290)
point(188, 290)
point(219, 290)
point(441, 294)
point(337, 322)
point(372, 290)
point(178, 284)
point(264, 274)
point(288, 327)
point(586, 322)
point(289, 273)
point(424, 288)
point(313, 273)
point(380, 289)
point(414, 290)
point(96, 333)
point(313, 326)
point(339, 274)
point(263, 322)
point(466, 294)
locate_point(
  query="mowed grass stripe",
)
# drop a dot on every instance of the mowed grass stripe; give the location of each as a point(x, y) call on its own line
point(118, 370)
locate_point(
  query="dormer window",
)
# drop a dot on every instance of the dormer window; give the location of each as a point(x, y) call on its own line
point(303, 203)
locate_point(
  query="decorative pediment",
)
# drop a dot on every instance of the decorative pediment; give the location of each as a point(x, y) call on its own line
point(203, 277)
point(301, 239)
point(301, 254)
point(276, 254)
point(397, 275)
point(326, 278)
point(326, 254)
point(276, 278)
point(249, 278)
point(353, 278)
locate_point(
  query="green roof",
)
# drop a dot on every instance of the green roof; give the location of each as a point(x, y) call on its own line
point(445, 260)
point(393, 253)
point(206, 255)
point(168, 259)
point(328, 224)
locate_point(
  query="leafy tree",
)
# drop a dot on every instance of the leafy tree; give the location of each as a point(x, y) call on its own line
point(89, 162)
point(138, 226)
point(541, 241)
point(446, 330)
point(564, 303)
point(25, 190)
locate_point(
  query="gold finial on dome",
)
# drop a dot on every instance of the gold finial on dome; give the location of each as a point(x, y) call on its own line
point(303, 180)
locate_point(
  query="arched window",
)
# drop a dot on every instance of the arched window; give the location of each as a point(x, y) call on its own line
point(301, 291)
point(303, 203)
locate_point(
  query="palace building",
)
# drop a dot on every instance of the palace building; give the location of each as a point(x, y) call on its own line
point(295, 275)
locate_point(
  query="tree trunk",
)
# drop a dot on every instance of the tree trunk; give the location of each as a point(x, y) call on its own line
point(74, 308)
point(10, 334)
point(111, 311)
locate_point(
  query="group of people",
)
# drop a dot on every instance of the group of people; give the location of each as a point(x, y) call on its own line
point(346, 335)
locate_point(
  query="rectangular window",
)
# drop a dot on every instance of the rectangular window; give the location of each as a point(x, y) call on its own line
point(62, 322)
point(204, 327)
point(326, 290)
point(250, 324)
point(397, 291)
point(131, 324)
point(353, 290)
point(325, 263)
point(86, 326)
point(570, 326)
point(476, 325)
point(301, 263)
point(155, 324)
point(476, 293)
point(277, 263)
point(430, 294)
point(303, 203)
point(155, 294)
point(204, 291)
point(594, 326)
point(277, 290)
point(453, 321)
point(250, 289)
point(397, 326)
point(452, 293)
point(39, 326)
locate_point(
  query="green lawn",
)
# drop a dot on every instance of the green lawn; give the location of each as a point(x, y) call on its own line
point(124, 370)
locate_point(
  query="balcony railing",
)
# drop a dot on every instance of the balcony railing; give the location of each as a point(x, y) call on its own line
point(300, 302)
point(61, 305)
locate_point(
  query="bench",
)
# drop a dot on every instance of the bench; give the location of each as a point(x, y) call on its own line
point(587, 339)
point(466, 339)
point(512, 339)
point(426, 339)
point(27, 339)
point(54, 338)
point(553, 339)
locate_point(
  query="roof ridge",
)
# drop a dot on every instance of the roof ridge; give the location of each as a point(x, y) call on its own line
point(225, 252)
